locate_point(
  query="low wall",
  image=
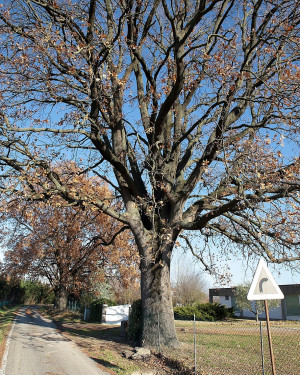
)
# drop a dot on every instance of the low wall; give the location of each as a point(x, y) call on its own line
point(115, 314)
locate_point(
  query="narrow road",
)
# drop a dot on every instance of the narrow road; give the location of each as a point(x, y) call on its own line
point(35, 347)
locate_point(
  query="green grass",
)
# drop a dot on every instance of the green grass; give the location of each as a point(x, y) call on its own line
point(110, 360)
point(234, 347)
point(6, 318)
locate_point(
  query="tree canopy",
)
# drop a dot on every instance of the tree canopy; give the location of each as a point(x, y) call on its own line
point(188, 108)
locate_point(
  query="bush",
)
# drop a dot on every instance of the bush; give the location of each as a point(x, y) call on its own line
point(11, 291)
point(96, 308)
point(203, 311)
point(36, 292)
point(135, 321)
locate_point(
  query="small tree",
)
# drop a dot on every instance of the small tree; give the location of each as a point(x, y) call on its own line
point(126, 294)
point(189, 288)
point(243, 303)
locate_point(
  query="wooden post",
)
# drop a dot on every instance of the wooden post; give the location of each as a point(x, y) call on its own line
point(270, 338)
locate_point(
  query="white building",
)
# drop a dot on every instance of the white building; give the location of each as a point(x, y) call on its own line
point(289, 308)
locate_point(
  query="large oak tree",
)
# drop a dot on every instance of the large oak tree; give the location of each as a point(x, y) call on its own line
point(182, 105)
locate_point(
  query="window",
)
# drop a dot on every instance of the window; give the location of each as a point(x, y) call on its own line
point(226, 298)
point(292, 304)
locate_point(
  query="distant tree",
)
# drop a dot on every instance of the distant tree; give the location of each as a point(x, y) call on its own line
point(126, 295)
point(256, 307)
point(115, 289)
point(188, 108)
point(36, 292)
point(11, 290)
point(72, 247)
point(189, 287)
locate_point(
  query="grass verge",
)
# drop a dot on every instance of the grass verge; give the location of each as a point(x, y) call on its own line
point(7, 314)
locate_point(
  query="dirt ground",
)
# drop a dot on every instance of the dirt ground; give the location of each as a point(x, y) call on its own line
point(2, 348)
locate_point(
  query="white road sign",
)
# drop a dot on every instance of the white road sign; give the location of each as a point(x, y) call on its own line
point(263, 286)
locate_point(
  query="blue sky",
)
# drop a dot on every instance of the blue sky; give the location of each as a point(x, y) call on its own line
point(241, 272)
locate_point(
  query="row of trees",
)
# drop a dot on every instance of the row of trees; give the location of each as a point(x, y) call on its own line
point(76, 249)
point(16, 291)
point(189, 109)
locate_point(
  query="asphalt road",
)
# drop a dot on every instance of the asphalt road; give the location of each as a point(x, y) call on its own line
point(35, 347)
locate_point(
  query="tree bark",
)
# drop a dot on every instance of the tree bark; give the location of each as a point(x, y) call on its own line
point(158, 326)
point(61, 298)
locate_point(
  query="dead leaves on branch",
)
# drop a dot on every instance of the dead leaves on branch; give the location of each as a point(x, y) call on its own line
point(67, 244)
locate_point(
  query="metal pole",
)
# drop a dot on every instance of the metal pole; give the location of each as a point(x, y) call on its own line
point(195, 357)
point(262, 349)
point(270, 338)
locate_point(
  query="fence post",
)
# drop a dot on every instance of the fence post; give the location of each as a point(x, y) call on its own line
point(158, 328)
point(262, 349)
point(195, 357)
point(103, 317)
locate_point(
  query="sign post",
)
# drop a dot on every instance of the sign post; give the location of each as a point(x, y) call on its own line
point(264, 287)
point(270, 338)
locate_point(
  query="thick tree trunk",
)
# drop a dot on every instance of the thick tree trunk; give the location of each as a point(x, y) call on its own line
point(155, 249)
point(158, 326)
point(61, 298)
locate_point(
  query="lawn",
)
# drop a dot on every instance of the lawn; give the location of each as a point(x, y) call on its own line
point(234, 347)
point(6, 318)
point(222, 348)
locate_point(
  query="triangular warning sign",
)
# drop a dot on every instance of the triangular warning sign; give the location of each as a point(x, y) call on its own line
point(263, 285)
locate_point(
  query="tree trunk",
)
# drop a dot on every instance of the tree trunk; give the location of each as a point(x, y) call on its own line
point(158, 326)
point(155, 249)
point(61, 298)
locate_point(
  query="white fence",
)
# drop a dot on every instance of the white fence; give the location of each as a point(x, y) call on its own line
point(115, 314)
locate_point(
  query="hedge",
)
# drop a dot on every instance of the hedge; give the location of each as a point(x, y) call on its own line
point(203, 311)
point(135, 321)
point(96, 308)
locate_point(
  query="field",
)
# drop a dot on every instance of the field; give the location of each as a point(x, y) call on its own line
point(222, 348)
point(234, 347)
point(6, 318)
